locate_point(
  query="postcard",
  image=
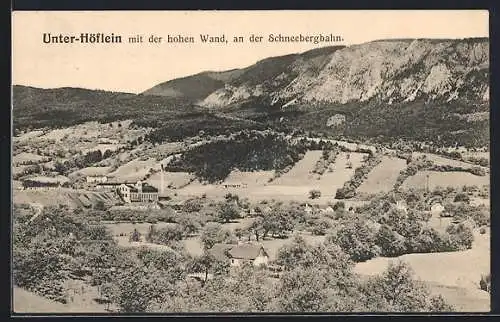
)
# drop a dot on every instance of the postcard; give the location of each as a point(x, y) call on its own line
point(250, 161)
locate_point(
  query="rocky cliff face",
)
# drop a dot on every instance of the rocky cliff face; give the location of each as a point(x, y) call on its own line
point(386, 71)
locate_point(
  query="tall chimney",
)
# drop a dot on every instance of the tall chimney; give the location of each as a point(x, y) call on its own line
point(161, 185)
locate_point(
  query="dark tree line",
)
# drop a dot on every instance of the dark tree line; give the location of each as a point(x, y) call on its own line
point(215, 160)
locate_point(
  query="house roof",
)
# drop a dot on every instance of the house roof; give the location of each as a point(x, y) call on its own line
point(145, 187)
point(131, 187)
point(219, 251)
point(148, 188)
point(246, 251)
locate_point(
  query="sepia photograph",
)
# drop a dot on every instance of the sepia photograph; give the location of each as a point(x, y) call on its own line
point(250, 161)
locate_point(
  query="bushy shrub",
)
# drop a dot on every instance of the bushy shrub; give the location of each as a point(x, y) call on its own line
point(164, 236)
point(320, 227)
point(478, 171)
point(461, 235)
point(314, 194)
point(461, 197)
point(135, 236)
point(356, 239)
point(485, 282)
point(391, 243)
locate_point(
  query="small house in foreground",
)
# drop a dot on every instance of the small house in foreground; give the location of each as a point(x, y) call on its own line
point(236, 255)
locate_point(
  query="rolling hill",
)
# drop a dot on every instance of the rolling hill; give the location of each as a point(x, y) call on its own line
point(62, 107)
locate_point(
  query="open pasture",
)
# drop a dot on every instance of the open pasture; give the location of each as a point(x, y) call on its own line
point(300, 174)
point(134, 170)
point(62, 196)
point(444, 179)
point(383, 177)
point(330, 181)
point(170, 179)
point(440, 160)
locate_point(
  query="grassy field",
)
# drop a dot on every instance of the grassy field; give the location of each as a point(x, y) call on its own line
point(27, 136)
point(331, 181)
point(291, 186)
point(84, 137)
point(383, 177)
point(444, 179)
point(134, 170)
point(18, 170)
point(240, 223)
point(83, 302)
point(24, 157)
point(28, 302)
point(440, 160)
point(255, 178)
point(174, 179)
point(476, 155)
point(70, 197)
point(91, 171)
point(104, 147)
point(463, 299)
point(455, 274)
point(300, 174)
point(57, 179)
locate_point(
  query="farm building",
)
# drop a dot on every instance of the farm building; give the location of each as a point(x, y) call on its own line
point(139, 192)
point(96, 179)
point(108, 186)
point(241, 253)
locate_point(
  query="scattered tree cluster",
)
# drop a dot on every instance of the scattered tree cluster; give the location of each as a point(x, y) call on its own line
point(327, 158)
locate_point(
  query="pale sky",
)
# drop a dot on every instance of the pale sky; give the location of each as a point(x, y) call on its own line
point(134, 68)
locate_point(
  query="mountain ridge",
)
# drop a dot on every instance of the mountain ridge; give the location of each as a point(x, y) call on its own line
point(400, 89)
point(388, 70)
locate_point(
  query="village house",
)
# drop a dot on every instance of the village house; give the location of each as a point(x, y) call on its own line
point(401, 205)
point(236, 255)
point(436, 209)
point(139, 192)
point(96, 179)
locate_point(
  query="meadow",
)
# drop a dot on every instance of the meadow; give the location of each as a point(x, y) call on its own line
point(444, 179)
point(383, 177)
